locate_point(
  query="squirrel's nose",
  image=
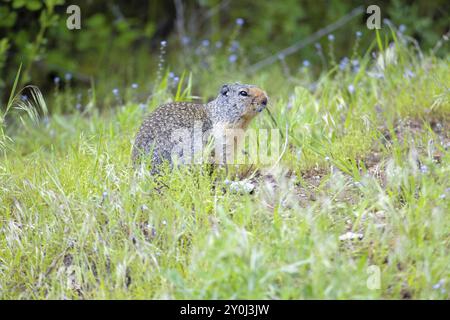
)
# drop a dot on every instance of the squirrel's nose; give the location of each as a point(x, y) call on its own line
point(264, 101)
point(260, 97)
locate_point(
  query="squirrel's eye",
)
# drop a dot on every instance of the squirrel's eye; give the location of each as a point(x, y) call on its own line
point(243, 93)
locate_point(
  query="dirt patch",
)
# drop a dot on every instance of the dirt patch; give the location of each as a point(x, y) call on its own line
point(407, 127)
point(307, 186)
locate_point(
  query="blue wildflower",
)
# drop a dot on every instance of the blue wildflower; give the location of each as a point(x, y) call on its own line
point(290, 104)
point(185, 40)
point(331, 37)
point(358, 34)
point(355, 65)
point(424, 169)
point(343, 64)
point(57, 80)
point(232, 58)
point(351, 88)
point(402, 28)
point(439, 284)
point(115, 92)
point(234, 46)
point(134, 85)
point(240, 21)
point(205, 43)
point(306, 63)
point(408, 74)
point(68, 76)
point(163, 43)
point(313, 86)
point(23, 97)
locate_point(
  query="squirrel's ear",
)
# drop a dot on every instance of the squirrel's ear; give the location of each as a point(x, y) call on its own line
point(224, 90)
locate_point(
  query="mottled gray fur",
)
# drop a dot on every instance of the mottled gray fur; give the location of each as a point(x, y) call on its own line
point(235, 105)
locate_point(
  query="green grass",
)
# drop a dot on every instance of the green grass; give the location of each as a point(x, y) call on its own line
point(77, 221)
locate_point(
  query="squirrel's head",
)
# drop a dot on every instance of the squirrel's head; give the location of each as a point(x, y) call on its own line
point(239, 103)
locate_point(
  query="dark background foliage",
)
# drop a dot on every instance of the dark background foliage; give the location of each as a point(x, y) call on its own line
point(119, 41)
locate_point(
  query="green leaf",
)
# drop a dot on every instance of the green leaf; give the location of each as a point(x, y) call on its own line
point(8, 17)
point(17, 4)
point(34, 5)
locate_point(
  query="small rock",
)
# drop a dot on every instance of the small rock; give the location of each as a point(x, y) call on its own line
point(240, 186)
point(351, 236)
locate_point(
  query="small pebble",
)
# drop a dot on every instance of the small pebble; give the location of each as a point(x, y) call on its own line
point(351, 236)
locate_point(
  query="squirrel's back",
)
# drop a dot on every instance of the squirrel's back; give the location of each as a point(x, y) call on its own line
point(158, 130)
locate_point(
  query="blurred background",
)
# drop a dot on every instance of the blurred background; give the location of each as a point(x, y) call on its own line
point(131, 45)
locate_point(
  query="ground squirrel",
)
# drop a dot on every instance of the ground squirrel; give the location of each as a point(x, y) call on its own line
point(170, 129)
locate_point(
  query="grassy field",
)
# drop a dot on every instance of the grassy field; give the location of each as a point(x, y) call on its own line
point(356, 208)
